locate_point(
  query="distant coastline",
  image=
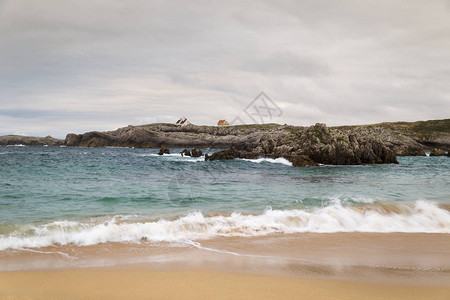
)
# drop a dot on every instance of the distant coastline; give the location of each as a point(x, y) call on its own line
point(358, 143)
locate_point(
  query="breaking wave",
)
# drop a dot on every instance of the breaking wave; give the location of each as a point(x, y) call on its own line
point(279, 160)
point(419, 216)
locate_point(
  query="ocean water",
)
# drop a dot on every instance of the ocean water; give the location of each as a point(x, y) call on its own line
point(86, 196)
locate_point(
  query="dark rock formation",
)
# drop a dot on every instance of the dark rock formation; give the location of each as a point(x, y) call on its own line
point(29, 140)
point(437, 152)
point(163, 150)
point(231, 153)
point(317, 144)
point(196, 153)
point(185, 152)
point(73, 139)
point(193, 153)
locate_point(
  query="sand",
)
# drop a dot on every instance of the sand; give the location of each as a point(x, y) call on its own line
point(297, 266)
point(194, 284)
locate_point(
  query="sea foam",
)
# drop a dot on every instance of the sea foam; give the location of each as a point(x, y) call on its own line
point(419, 216)
point(279, 160)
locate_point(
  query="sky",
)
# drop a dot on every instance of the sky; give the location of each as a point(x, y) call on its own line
point(77, 66)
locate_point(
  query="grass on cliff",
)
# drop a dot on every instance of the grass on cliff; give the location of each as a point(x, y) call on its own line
point(419, 128)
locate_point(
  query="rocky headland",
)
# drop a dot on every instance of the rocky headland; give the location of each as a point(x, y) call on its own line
point(318, 144)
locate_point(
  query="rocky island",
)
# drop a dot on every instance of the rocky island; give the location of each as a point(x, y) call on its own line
point(317, 144)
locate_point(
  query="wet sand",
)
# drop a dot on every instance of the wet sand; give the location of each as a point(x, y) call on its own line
point(322, 266)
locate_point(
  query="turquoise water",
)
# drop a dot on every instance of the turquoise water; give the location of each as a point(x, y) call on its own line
point(79, 188)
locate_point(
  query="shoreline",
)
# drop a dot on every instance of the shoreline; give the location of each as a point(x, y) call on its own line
point(279, 266)
point(421, 259)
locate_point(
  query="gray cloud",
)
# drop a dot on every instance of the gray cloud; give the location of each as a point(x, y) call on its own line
point(77, 66)
point(287, 63)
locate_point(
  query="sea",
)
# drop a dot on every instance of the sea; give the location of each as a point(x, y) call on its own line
point(76, 196)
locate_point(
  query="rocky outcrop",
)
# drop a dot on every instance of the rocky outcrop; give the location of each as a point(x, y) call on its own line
point(193, 153)
point(400, 144)
point(315, 145)
point(185, 152)
point(196, 153)
point(163, 150)
point(409, 138)
point(73, 139)
point(437, 152)
point(29, 140)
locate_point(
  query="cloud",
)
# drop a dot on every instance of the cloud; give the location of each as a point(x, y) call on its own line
point(77, 66)
point(287, 63)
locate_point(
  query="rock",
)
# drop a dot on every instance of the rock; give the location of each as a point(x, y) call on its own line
point(437, 152)
point(163, 150)
point(196, 153)
point(302, 161)
point(224, 155)
point(73, 139)
point(409, 150)
point(185, 152)
point(315, 145)
point(95, 139)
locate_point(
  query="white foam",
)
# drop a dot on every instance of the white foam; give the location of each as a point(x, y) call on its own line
point(279, 160)
point(174, 156)
point(420, 216)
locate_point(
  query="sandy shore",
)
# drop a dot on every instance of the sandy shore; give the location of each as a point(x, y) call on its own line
point(312, 266)
point(194, 284)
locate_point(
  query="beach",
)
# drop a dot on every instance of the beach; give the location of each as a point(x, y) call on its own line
point(313, 266)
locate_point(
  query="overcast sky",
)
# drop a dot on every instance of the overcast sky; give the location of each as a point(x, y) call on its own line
point(75, 66)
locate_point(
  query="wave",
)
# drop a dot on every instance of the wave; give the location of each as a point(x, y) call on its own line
point(419, 216)
point(174, 156)
point(177, 156)
point(279, 160)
